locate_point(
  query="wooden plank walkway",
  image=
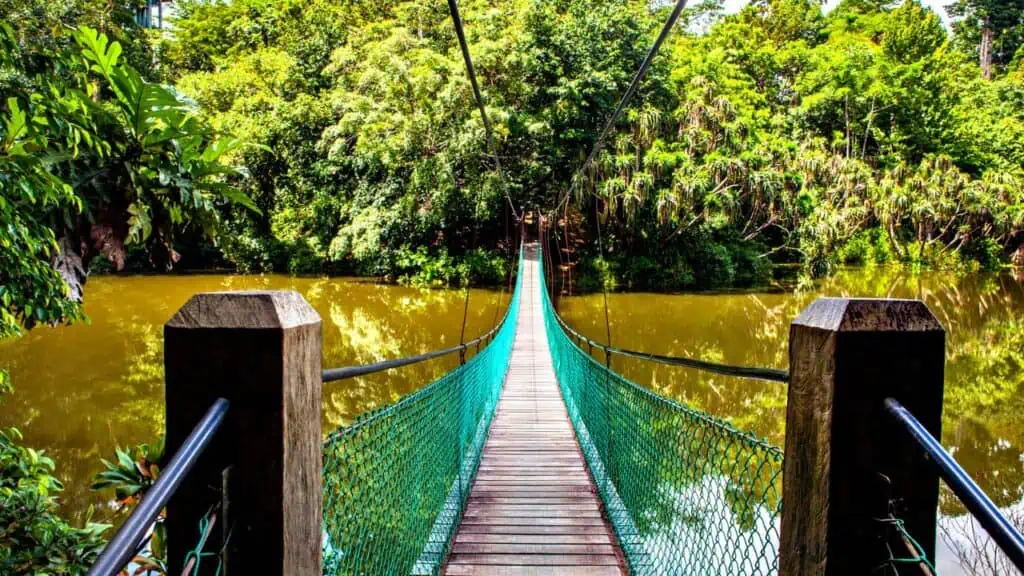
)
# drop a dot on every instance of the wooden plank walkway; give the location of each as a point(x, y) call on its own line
point(533, 508)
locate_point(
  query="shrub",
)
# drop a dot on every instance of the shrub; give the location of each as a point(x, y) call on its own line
point(712, 265)
point(595, 273)
point(646, 273)
point(485, 267)
point(866, 248)
point(749, 268)
point(857, 250)
point(34, 539)
point(986, 252)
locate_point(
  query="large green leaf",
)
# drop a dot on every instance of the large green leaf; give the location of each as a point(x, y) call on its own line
point(231, 194)
point(98, 50)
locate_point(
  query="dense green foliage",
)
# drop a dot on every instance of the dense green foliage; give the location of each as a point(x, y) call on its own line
point(94, 158)
point(868, 135)
point(776, 134)
point(995, 27)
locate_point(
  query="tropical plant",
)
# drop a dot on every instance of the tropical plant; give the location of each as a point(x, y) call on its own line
point(93, 158)
point(34, 539)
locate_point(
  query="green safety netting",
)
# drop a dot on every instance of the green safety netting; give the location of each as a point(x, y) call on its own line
point(395, 482)
point(686, 493)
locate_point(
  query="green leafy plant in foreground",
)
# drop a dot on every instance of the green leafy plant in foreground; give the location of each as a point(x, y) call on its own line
point(130, 476)
point(95, 159)
point(34, 539)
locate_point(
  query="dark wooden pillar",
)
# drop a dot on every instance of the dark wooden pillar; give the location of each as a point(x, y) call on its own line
point(845, 459)
point(261, 351)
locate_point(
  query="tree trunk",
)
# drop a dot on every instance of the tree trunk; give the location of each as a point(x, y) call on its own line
point(72, 263)
point(892, 238)
point(85, 240)
point(846, 114)
point(985, 51)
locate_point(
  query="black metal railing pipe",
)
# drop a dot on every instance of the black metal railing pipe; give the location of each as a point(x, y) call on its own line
point(753, 372)
point(974, 499)
point(125, 543)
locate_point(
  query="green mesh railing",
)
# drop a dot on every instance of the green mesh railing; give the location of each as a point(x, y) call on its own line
point(685, 492)
point(396, 481)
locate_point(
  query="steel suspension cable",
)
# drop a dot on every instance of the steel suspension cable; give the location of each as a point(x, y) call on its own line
point(633, 86)
point(453, 8)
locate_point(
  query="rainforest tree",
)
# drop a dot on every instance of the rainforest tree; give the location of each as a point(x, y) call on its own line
point(776, 134)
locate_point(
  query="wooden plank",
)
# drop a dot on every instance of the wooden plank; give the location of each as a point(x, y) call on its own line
point(532, 548)
point(535, 559)
point(562, 478)
point(553, 499)
point(548, 513)
point(531, 470)
point(484, 538)
point(478, 570)
point(482, 489)
point(532, 507)
point(531, 529)
point(511, 520)
point(532, 464)
point(516, 509)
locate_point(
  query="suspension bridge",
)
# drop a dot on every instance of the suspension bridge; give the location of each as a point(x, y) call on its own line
point(535, 457)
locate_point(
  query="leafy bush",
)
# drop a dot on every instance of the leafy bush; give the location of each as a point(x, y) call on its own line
point(934, 255)
point(34, 539)
point(857, 250)
point(486, 267)
point(866, 248)
point(595, 274)
point(646, 273)
point(986, 252)
point(713, 265)
point(422, 269)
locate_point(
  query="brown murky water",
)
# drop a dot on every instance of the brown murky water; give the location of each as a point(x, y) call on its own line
point(82, 390)
point(983, 417)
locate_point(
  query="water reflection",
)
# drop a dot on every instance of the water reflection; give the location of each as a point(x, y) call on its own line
point(983, 315)
point(82, 390)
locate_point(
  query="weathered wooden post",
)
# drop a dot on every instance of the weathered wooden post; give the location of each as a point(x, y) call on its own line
point(261, 351)
point(844, 457)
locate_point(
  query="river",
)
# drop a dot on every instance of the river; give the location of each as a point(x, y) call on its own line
point(81, 391)
point(983, 414)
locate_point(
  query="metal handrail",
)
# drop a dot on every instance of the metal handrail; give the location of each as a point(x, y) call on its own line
point(974, 499)
point(772, 374)
point(125, 543)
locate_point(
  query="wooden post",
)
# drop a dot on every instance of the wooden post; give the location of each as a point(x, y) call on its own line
point(261, 351)
point(844, 457)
